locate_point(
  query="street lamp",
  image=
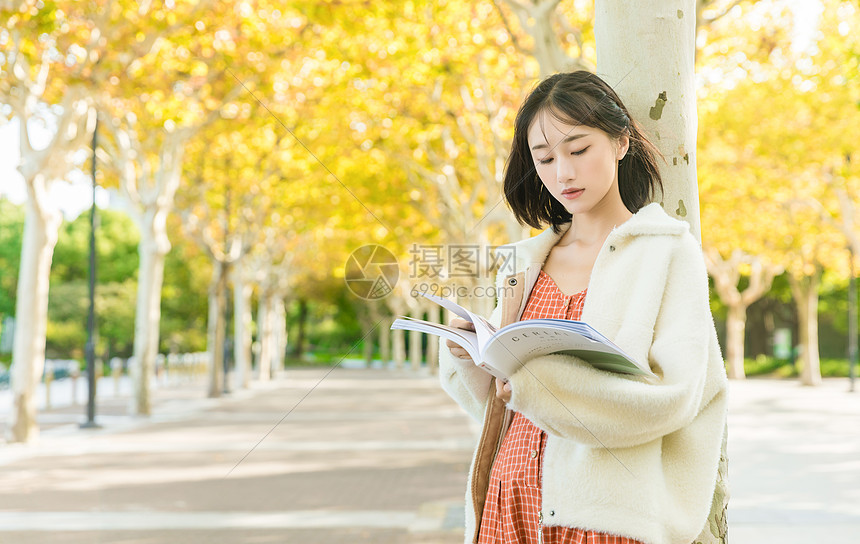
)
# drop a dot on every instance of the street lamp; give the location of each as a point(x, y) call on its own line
point(91, 318)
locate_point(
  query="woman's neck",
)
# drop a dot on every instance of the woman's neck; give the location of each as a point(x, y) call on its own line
point(588, 229)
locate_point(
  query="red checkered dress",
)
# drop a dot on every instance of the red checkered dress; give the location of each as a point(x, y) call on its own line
point(511, 513)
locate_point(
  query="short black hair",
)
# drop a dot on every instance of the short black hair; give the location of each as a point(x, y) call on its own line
point(577, 98)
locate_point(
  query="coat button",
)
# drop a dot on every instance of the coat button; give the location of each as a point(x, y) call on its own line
point(534, 454)
point(552, 512)
point(512, 281)
point(611, 248)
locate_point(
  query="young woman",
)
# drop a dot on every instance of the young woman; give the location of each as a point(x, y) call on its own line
point(569, 453)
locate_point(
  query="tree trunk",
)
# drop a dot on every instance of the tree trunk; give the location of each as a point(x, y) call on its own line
point(415, 351)
point(735, 326)
point(655, 79)
point(266, 318)
point(31, 317)
point(367, 345)
point(271, 322)
point(646, 52)
point(398, 347)
point(152, 200)
point(805, 292)
point(263, 338)
point(538, 18)
point(279, 318)
point(153, 247)
point(217, 327)
point(434, 315)
point(241, 328)
point(41, 226)
point(385, 342)
point(727, 275)
point(374, 319)
point(301, 322)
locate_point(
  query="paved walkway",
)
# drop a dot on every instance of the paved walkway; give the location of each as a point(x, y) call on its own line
point(373, 455)
point(794, 462)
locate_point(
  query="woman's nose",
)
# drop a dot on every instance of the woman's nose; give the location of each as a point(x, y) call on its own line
point(565, 170)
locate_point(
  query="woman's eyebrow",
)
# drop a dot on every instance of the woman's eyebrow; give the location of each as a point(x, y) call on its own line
point(570, 138)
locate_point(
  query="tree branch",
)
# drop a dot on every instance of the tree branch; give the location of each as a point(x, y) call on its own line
point(514, 40)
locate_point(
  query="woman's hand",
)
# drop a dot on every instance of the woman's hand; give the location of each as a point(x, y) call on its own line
point(503, 390)
point(454, 347)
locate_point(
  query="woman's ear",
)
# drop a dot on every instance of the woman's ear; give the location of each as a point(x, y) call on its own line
point(623, 145)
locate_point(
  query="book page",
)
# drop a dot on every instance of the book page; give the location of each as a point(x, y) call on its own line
point(468, 340)
point(483, 328)
point(450, 305)
point(512, 347)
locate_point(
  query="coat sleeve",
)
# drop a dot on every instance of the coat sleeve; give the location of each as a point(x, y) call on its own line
point(464, 381)
point(567, 397)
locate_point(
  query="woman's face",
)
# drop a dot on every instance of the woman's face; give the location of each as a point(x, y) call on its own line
point(577, 164)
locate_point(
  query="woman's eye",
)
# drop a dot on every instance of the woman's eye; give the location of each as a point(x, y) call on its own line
point(545, 161)
point(580, 152)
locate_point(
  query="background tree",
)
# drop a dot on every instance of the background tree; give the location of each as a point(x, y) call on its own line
point(756, 133)
point(34, 70)
point(727, 275)
point(736, 207)
point(201, 65)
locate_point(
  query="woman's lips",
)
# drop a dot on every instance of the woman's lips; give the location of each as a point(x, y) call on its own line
point(571, 194)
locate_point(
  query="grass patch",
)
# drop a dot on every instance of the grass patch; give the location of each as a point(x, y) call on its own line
point(763, 365)
point(782, 368)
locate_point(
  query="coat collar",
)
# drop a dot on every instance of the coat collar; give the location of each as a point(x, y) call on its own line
point(651, 220)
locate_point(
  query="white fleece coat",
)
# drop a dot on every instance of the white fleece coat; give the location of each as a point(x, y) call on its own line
point(624, 456)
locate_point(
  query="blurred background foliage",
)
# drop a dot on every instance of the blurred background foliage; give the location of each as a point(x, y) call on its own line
point(313, 128)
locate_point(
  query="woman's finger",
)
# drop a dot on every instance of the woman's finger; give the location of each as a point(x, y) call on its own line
point(462, 324)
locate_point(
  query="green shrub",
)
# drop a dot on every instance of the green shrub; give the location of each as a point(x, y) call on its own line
point(763, 365)
point(835, 368)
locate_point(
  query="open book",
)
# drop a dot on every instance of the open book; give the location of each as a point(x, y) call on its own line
point(502, 352)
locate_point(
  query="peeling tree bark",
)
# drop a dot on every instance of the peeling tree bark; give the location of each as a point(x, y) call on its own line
point(646, 52)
